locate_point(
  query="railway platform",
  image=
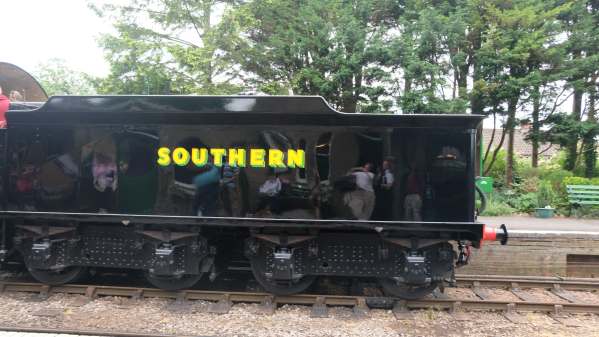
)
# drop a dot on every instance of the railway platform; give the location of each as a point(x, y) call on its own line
point(531, 224)
point(540, 247)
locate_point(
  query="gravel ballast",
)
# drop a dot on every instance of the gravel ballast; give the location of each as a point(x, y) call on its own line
point(154, 315)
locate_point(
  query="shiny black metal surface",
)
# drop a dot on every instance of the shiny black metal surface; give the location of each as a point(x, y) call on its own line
point(90, 181)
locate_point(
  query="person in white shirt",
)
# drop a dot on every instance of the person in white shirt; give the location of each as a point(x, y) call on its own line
point(361, 201)
point(268, 195)
point(384, 192)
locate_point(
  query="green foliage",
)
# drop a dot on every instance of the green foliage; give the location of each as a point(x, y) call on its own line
point(580, 181)
point(497, 170)
point(496, 207)
point(529, 184)
point(166, 47)
point(58, 79)
point(525, 202)
point(545, 195)
point(556, 177)
point(330, 48)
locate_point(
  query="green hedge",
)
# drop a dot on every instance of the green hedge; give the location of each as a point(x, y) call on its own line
point(580, 181)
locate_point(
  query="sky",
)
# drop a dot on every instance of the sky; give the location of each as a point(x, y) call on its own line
point(34, 31)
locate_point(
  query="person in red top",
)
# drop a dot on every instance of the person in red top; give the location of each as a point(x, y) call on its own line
point(4, 103)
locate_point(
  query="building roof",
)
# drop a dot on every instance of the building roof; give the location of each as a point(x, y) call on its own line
point(522, 146)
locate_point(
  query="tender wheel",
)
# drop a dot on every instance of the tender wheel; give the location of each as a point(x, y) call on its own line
point(56, 277)
point(406, 291)
point(277, 287)
point(172, 282)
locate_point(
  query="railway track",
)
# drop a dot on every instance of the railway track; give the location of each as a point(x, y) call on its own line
point(220, 302)
point(482, 286)
point(76, 332)
point(527, 282)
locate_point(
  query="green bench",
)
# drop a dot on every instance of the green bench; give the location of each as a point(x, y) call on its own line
point(582, 195)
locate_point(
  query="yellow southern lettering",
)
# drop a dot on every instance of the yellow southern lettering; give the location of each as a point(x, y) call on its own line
point(257, 158)
point(164, 158)
point(218, 155)
point(275, 158)
point(296, 158)
point(237, 157)
point(181, 156)
point(199, 157)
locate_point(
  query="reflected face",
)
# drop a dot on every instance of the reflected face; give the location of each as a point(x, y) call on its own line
point(386, 165)
point(368, 167)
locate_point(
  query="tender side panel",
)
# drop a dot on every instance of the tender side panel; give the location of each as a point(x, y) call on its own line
point(105, 169)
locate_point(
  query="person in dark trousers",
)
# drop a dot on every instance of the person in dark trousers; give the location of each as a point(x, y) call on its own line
point(207, 185)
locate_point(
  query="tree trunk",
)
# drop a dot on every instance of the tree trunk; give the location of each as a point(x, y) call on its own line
point(475, 38)
point(572, 146)
point(206, 29)
point(588, 143)
point(535, 126)
point(510, 126)
point(463, 83)
point(495, 153)
point(407, 85)
point(348, 100)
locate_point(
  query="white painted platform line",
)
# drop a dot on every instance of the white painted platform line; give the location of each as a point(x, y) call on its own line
point(31, 334)
point(552, 232)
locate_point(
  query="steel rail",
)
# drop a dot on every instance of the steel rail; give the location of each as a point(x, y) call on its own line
point(527, 282)
point(302, 299)
point(82, 332)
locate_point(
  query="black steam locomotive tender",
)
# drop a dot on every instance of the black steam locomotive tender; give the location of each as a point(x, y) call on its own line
point(182, 187)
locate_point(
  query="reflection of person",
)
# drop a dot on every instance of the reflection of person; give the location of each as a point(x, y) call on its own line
point(361, 200)
point(384, 193)
point(230, 193)
point(25, 184)
point(268, 194)
point(4, 103)
point(104, 172)
point(15, 96)
point(207, 184)
point(413, 200)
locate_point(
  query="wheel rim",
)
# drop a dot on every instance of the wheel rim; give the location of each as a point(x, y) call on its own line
point(406, 291)
point(172, 282)
point(56, 277)
point(279, 288)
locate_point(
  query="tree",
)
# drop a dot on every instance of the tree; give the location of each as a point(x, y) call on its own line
point(329, 48)
point(513, 46)
point(581, 69)
point(508, 59)
point(58, 79)
point(166, 47)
